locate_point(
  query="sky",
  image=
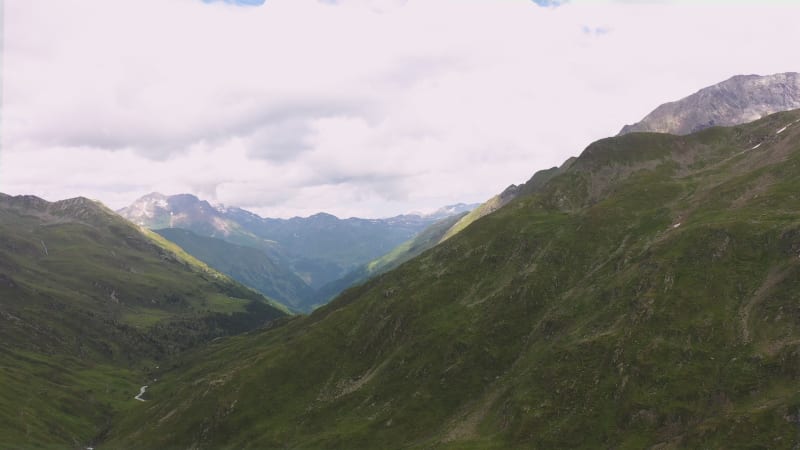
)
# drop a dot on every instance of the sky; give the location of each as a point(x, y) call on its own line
point(366, 108)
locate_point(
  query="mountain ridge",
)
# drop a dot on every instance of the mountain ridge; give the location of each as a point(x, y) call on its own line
point(640, 298)
point(739, 99)
point(89, 304)
point(318, 249)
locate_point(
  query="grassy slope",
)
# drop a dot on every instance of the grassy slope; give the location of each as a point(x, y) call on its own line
point(246, 265)
point(538, 180)
point(415, 246)
point(426, 239)
point(82, 323)
point(646, 296)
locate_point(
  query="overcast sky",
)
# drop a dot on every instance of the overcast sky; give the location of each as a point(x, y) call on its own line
point(365, 108)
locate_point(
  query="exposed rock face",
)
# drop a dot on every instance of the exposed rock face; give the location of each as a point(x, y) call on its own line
point(741, 99)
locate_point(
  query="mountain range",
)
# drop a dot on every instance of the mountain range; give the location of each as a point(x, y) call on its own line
point(330, 254)
point(296, 257)
point(640, 295)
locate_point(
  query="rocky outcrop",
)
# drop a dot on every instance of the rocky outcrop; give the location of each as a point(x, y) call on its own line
point(741, 99)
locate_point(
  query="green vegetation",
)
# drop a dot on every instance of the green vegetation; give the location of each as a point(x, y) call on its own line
point(246, 265)
point(89, 305)
point(425, 240)
point(645, 296)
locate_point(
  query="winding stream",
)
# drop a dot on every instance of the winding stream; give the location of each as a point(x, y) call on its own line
point(141, 392)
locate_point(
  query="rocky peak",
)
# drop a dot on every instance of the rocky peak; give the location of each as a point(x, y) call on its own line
point(24, 202)
point(78, 209)
point(740, 99)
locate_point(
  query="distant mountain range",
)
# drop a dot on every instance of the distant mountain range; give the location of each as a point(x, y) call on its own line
point(315, 250)
point(247, 265)
point(740, 99)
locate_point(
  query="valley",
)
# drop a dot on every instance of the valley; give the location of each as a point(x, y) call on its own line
point(90, 305)
point(301, 262)
point(577, 316)
point(252, 224)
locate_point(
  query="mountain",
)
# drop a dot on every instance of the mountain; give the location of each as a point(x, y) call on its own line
point(645, 297)
point(448, 211)
point(156, 211)
point(425, 240)
point(246, 265)
point(435, 234)
point(337, 245)
point(89, 304)
point(504, 198)
point(319, 249)
point(741, 99)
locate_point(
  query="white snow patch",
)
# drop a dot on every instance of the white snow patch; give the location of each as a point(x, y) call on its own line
point(782, 130)
point(676, 225)
point(756, 146)
point(221, 225)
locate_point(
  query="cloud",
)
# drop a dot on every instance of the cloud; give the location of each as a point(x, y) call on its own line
point(375, 6)
point(552, 3)
point(595, 31)
point(239, 2)
point(365, 107)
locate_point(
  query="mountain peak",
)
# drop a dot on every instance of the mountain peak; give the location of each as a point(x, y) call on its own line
point(27, 201)
point(79, 209)
point(323, 216)
point(76, 201)
point(737, 100)
point(153, 196)
point(156, 211)
point(185, 197)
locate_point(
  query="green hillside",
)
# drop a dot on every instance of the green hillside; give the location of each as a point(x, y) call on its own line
point(89, 306)
point(538, 180)
point(645, 297)
point(434, 235)
point(425, 240)
point(246, 265)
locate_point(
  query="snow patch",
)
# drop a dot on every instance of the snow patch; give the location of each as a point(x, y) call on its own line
point(676, 225)
point(782, 130)
point(756, 146)
point(222, 225)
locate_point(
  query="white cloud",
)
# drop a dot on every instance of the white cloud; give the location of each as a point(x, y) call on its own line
point(362, 107)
